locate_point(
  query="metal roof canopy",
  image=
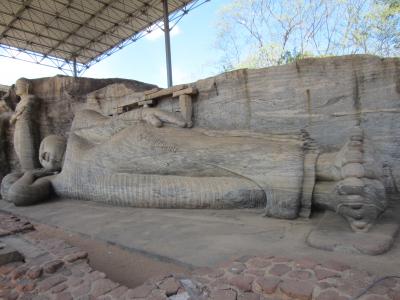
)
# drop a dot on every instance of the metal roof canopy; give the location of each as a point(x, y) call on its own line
point(72, 35)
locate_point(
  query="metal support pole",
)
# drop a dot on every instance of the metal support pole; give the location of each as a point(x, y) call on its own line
point(167, 43)
point(75, 72)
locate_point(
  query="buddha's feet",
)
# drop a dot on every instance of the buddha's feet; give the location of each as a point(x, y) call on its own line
point(358, 193)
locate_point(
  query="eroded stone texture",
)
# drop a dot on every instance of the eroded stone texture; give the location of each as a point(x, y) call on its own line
point(26, 131)
point(60, 97)
point(76, 279)
point(174, 167)
point(325, 96)
point(256, 141)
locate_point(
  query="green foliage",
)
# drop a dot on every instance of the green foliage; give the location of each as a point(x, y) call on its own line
point(259, 33)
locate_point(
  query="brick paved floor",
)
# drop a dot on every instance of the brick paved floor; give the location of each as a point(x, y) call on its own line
point(59, 270)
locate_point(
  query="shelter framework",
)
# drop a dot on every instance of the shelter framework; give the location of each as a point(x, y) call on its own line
point(73, 35)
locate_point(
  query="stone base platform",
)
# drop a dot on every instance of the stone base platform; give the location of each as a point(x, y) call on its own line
point(196, 238)
point(334, 234)
point(53, 269)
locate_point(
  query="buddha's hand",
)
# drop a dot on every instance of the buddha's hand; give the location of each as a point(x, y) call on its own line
point(39, 173)
point(158, 117)
point(18, 112)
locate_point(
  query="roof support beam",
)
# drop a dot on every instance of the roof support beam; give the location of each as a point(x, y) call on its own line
point(57, 32)
point(74, 65)
point(16, 17)
point(167, 43)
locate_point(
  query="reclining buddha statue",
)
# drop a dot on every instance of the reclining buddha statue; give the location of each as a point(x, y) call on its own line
point(147, 158)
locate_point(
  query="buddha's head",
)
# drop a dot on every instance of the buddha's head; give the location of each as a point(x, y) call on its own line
point(22, 86)
point(51, 153)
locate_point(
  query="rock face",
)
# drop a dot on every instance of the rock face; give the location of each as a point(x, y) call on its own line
point(325, 96)
point(323, 130)
point(60, 97)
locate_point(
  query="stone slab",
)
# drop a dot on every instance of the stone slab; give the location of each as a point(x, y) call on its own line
point(334, 234)
point(24, 247)
point(9, 254)
point(195, 237)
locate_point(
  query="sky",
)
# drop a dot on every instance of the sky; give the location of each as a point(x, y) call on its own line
point(194, 55)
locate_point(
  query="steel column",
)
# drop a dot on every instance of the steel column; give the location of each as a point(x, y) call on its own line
point(75, 72)
point(167, 43)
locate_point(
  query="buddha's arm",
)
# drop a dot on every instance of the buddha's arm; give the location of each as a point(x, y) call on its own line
point(30, 189)
point(154, 116)
point(17, 114)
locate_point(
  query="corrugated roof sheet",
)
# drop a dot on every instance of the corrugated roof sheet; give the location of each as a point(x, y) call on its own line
point(82, 29)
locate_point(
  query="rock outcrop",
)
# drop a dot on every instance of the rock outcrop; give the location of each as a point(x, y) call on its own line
point(60, 97)
point(340, 113)
point(324, 96)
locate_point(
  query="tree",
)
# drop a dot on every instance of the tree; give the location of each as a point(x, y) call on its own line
point(258, 33)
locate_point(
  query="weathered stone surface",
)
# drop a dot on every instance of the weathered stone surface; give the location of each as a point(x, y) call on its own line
point(215, 273)
point(305, 263)
point(25, 285)
point(118, 292)
point(266, 285)
point(237, 268)
point(375, 297)
point(26, 131)
point(64, 296)
point(223, 295)
point(329, 295)
point(322, 274)
point(60, 97)
point(300, 274)
point(48, 283)
point(170, 286)
point(337, 281)
point(256, 272)
point(102, 286)
point(279, 269)
point(18, 272)
point(59, 288)
point(335, 265)
point(9, 254)
point(53, 266)
point(310, 141)
point(10, 224)
point(75, 256)
point(258, 263)
point(323, 94)
point(82, 290)
point(141, 292)
point(333, 235)
point(248, 296)
point(242, 282)
point(297, 289)
point(34, 272)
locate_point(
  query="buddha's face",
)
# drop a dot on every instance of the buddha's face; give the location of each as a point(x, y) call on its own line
point(22, 87)
point(51, 154)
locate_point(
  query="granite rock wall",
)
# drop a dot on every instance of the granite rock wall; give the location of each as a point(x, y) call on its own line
point(60, 97)
point(324, 96)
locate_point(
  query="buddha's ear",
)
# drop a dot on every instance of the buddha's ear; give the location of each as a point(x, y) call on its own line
point(45, 156)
